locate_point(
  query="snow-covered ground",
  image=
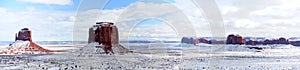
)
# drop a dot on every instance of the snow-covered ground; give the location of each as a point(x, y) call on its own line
point(162, 56)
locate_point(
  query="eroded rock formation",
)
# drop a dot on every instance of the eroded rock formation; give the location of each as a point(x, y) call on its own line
point(188, 40)
point(272, 41)
point(201, 40)
point(252, 42)
point(106, 35)
point(213, 41)
point(277, 41)
point(23, 45)
point(235, 39)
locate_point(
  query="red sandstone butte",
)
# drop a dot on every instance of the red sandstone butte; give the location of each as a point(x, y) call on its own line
point(23, 45)
point(235, 39)
point(106, 35)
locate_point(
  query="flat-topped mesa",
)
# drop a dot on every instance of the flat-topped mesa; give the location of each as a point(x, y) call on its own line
point(106, 34)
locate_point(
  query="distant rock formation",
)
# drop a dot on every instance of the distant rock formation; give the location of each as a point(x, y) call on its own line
point(201, 40)
point(295, 43)
point(188, 40)
point(277, 41)
point(24, 35)
point(251, 42)
point(273, 41)
point(24, 45)
point(106, 34)
point(235, 39)
point(216, 42)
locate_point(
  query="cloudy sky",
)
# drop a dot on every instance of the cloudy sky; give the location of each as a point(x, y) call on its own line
point(67, 20)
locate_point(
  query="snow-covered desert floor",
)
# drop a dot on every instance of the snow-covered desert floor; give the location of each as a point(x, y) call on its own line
point(201, 57)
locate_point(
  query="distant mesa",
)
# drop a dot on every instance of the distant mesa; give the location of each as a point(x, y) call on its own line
point(213, 41)
point(239, 40)
point(235, 39)
point(188, 40)
point(277, 41)
point(270, 42)
point(105, 34)
point(201, 40)
point(295, 43)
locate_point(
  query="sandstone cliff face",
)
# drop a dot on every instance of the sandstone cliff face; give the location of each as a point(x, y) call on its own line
point(92, 35)
point(24, 35)
point(106, 34)
point(235, 39)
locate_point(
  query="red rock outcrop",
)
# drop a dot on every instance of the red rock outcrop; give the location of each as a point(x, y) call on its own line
point(106, 34)
point(24, 35)
point(201, 40)
point(235, 39)
point(24, 45)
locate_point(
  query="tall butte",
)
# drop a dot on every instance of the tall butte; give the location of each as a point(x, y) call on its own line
point(23, 45)
point(105, 34)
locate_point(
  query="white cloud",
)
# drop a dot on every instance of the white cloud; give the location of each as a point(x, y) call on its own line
point(245, 23)
point(242, 9)
point(48, 2)
point(290, 4)
point(228, 9)
point(262, 18)
point(31, 8)
point(140, 10)
point(51, 25)
point(2, 10)
point(276, 18)
point(157, 32)
point(247, 18)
